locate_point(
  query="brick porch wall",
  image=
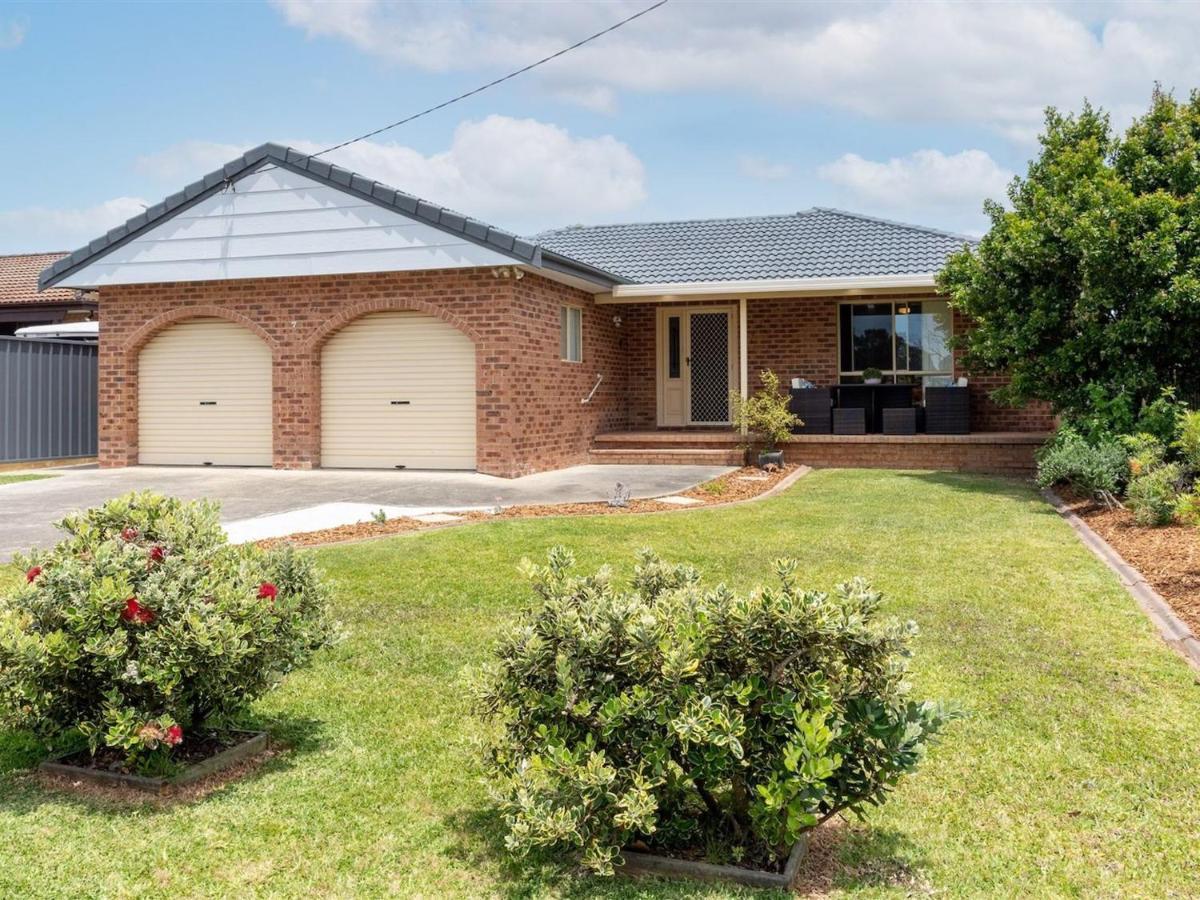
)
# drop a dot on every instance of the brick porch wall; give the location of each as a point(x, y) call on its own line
point(528, 414)
point(797, 337)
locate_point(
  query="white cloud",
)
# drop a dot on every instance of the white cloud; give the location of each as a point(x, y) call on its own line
point(927, 185)
point(991, 64)
point(43, 228)
point(519, 173)
point(188, 160)
point(762, 169)
point(12, 33)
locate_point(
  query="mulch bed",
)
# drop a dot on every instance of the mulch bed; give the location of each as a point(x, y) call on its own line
point(1168, 557)
point(740, 484)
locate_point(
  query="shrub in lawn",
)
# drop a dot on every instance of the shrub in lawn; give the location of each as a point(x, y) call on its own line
point(695, 719)
point(144, 627)
point(1152, 495)
point(1094, 468)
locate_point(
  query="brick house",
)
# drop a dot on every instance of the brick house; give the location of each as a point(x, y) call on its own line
point(21, 304)
point(283, 311)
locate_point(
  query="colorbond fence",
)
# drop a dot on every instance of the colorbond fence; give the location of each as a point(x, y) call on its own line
point(47, 399)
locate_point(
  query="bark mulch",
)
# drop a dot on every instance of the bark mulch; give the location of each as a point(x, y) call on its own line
point(1168, 556)
point(740, 484)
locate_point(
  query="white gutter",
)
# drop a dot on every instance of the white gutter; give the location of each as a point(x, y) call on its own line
point(683, 290)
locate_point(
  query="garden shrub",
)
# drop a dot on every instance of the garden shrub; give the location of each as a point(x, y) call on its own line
point(1145, 452)
point(144, 627)
point(1187, 508)
point(1092, 468)
point(686, 717)
point(1188, 439)
point(1152, 495)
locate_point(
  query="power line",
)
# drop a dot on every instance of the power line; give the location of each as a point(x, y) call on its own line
point(490, 84)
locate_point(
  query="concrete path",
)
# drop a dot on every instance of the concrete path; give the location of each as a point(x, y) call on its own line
point(28, 508)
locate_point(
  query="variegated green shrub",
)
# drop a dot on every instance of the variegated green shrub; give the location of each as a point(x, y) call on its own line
point(144, 627)
point(695, 719)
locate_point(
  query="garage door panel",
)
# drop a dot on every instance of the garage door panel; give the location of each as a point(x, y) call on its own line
point(204, 396)
point(379, 359)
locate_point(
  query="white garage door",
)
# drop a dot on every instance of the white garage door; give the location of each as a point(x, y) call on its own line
point(398, 391)
point(204, 396)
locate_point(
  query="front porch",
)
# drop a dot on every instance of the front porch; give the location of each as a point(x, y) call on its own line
point(997, 453)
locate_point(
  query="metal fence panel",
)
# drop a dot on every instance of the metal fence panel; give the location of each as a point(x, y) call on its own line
point(47, 399)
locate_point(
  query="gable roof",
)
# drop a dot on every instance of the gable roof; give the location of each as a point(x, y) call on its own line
point(517, 248)
point(19, 280)
point(813, 243)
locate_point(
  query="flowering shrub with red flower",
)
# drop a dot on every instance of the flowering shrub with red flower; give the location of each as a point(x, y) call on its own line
point(144, 626)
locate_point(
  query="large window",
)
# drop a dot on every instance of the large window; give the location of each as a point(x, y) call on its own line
point(570, 340)
point(901, 339)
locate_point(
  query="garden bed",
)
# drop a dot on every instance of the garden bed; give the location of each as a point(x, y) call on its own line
point(199, 758)
point(732, 487)
point(1167, 556)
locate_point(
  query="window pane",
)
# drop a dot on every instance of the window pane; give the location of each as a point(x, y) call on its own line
point(872, 336)
point(923, 336)
point(673, 346)
point(563, 348)
point(576, 331)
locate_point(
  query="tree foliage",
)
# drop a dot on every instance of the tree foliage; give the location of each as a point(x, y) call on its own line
point(1090, 285)
point(688, 717)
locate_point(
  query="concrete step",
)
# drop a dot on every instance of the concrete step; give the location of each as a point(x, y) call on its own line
point(667, 456)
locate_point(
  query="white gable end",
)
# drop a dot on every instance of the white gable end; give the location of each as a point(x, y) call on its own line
point(277, 223)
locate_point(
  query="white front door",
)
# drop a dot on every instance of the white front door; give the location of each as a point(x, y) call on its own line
point(696, 365)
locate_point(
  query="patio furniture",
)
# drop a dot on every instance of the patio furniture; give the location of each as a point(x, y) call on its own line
point(814, 406)
point(947, 410)
point(850, 420)
point(874, 399)
point(900, 420)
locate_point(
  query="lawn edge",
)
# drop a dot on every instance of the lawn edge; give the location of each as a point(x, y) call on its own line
point(1173, 630)
point(783, 485)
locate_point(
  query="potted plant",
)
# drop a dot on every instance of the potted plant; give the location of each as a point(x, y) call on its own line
point(871, 375)
point(764, 417)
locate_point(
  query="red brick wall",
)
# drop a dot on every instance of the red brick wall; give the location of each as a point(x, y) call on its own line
point(797, 337)
point(528, 412)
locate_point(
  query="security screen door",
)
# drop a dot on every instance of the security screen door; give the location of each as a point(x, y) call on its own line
point(708, 367)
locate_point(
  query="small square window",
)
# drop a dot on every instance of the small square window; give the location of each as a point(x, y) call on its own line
point(570, 344)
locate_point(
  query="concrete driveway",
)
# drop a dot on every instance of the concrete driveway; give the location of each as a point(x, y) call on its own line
point(28, 508)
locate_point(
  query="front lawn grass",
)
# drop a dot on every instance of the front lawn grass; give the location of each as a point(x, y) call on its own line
point(13, 479)
point(1075, 774)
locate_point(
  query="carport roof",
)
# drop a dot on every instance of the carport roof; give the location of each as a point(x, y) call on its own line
point(520, 249)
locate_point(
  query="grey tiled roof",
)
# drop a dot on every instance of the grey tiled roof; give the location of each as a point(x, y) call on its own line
point(520, 249)
point(813, 243)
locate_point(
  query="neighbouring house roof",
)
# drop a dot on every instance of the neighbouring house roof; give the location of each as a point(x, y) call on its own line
point(811, 244)
point(19, 280)
point(518, 249)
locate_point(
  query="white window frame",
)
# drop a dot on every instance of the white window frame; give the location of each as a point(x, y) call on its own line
point(893, 372)
point(566, 315)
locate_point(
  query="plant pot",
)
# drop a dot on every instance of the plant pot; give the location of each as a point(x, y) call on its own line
point(245, 744)
point(775, 458)
point(872, 381)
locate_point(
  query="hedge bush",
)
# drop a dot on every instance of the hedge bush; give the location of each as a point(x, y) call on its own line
point(1153, 495)
point(1090, 467)
point(686, 717)
point(144, 627)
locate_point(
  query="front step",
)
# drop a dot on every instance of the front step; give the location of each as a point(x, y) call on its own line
point(667, 456)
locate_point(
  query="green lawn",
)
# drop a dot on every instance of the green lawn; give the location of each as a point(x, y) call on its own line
point(13, 479)
point(1075, 774)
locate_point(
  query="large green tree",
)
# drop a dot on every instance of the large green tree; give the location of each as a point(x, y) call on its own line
point(1089, 286)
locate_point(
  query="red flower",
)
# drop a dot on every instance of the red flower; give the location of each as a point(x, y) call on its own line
point(32, 574)
point(129, 533)
point(174, 736)
point(136, 613)
point(157, 553)
point(267, 591)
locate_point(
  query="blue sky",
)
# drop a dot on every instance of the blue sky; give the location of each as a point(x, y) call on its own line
point(912, 111)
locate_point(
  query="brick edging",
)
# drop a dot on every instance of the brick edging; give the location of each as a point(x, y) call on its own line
point(1173, 630)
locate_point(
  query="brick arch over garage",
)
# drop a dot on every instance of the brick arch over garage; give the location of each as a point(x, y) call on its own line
point(312, 347)
point(130, 350)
